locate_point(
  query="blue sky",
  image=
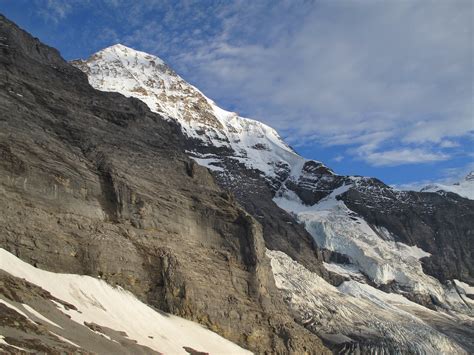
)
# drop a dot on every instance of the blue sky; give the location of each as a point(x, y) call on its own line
point(369, 87)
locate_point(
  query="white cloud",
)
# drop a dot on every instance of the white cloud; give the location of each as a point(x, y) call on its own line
point(401, 156)
point(338, 158)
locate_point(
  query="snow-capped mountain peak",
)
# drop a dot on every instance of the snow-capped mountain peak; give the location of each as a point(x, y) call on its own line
point(126, 53)
point(470, 176)
point(464, 188)
point(144, 76)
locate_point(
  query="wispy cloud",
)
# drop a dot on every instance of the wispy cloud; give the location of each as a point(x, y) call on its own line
point(402, 156)
point(338, 158)
point(57, 10)
point(448, 144)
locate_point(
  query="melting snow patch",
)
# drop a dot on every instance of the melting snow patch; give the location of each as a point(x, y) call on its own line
point(208, 163)
point(15, 309)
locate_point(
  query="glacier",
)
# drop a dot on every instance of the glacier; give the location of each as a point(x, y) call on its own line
point(360, 318)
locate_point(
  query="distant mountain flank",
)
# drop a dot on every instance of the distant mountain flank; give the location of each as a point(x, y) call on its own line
point(464, 188)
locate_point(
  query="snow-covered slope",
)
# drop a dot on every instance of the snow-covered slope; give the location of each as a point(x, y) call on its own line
point(146, 77)
point(464, 188)
point(106, 306)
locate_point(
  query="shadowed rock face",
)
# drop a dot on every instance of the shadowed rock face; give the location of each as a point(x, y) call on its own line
point(94, 183)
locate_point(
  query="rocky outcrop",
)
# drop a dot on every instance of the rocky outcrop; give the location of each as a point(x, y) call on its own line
point(94, 183)
point(315, 182)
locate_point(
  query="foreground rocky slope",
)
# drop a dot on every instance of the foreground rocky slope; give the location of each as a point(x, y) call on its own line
point(94, 183)
point(418, 245)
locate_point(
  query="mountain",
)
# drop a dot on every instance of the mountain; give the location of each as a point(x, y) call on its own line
point(356, 229)
point(146, 77)
point(96, 184)
point(250, 159)
point(163, 202)
point(464, 188)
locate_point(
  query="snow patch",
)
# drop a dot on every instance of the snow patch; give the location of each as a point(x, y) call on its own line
point(209, 163)
point(98, 302)
point(40, 316)
point(9, 305)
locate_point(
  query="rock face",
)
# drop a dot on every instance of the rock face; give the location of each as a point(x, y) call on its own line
point(94, 183)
